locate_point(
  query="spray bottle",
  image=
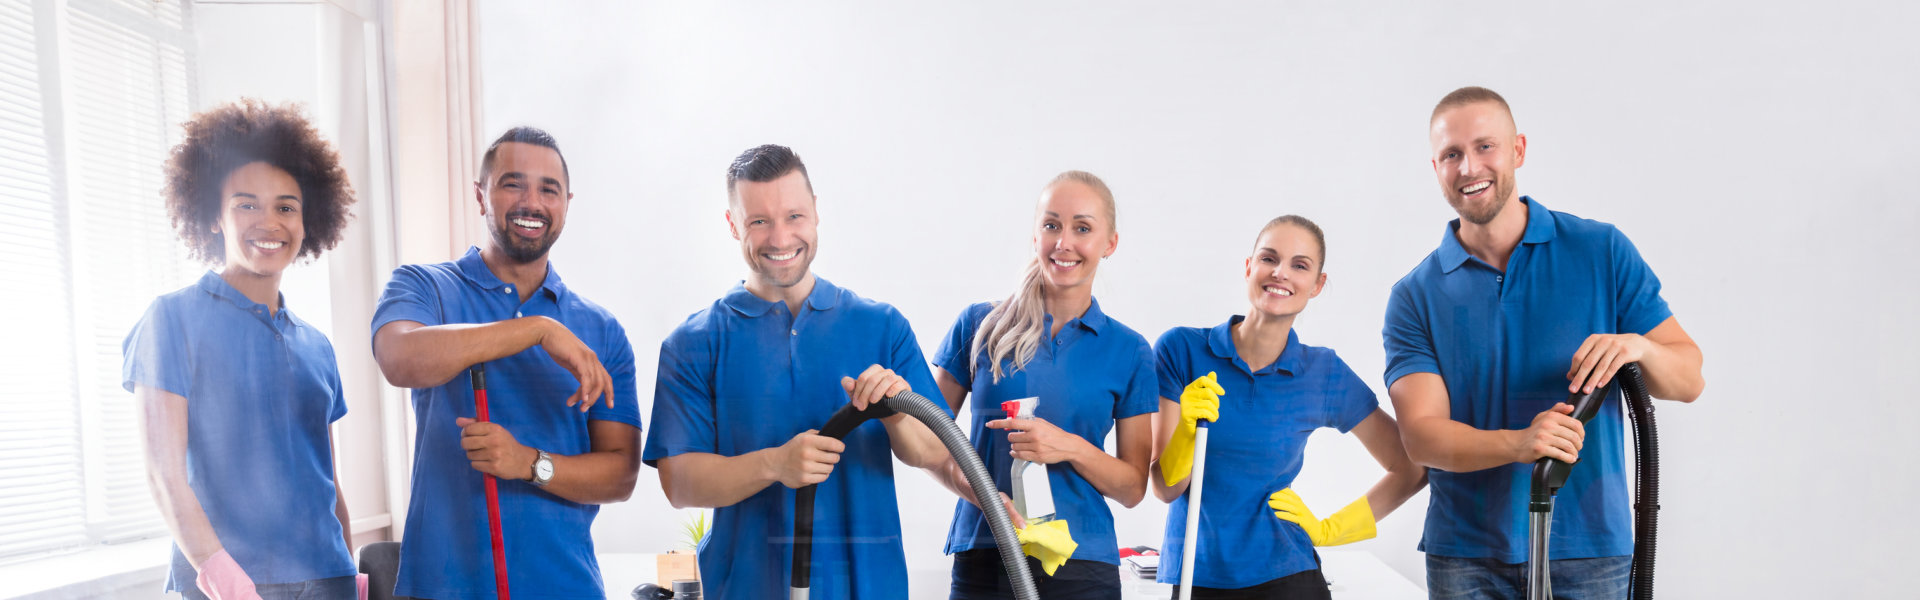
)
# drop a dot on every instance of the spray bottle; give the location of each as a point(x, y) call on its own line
point(1032, 490)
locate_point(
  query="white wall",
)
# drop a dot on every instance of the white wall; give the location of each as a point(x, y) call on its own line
point(1757, 154)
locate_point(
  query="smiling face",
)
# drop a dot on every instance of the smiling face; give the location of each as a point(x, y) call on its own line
point(1073, 231)
point(260, 219)
point(1475, 152)
point(1284, 271)
point(524, 199)
point(776, 226)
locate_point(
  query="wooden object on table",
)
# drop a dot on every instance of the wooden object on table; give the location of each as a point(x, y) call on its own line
point(676, 565)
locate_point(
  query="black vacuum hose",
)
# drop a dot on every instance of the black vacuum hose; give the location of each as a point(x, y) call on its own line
point(1550, 474)
point(914, 405)
point(1646, 489)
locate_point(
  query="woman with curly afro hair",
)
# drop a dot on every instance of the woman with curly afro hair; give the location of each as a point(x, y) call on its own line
point(235, 394)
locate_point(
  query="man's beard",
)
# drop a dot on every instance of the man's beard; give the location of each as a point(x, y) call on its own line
point(520, 249)
point(1502, 189)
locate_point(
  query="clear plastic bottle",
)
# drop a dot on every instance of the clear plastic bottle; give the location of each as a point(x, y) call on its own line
point(1032, 490)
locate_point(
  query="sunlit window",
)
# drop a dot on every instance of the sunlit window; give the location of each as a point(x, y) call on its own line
point(91, 94)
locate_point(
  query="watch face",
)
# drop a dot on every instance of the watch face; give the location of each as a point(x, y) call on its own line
point(543, 469)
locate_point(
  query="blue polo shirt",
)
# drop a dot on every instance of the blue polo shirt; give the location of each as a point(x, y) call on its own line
point(746, 374)
point(1094, 372)
point(447, 552)
point(1254, 450)
point(261, 390)
point(1503, 342)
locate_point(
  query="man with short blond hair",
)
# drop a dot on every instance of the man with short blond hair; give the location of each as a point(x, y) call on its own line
point(1485, 339)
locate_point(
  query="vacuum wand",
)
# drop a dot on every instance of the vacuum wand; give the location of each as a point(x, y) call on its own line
point(1549, 475)
point(1194, 487)
point(493, 488)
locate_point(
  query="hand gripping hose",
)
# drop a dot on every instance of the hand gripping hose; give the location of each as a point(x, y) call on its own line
point(1549, 475)
point(493, 488)
point(918, 407)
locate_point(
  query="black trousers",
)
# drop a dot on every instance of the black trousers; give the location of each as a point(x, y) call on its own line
point(1305, 585)
point(978, 574)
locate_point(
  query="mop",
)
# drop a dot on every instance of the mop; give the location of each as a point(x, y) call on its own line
point(1187, 548)
point(493, 488)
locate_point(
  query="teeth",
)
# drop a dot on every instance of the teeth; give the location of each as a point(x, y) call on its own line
point(783, 256)
point(529, 223)
point(1475, 187)
point(1274, 290)
point(1067, 264)
point(269, 245)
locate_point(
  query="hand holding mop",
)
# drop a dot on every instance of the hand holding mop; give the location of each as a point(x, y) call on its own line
point(1187, 451)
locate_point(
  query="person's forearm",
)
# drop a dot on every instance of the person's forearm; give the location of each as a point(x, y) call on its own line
point(1165, 424)
point(704, 480)
point(1456, 447)
point(340, 512)
point(594, 477)
point(414, 356)
point(1114, 478)
point(163, 422)
point(1673, 371)
point(1395, 488)
point(605, 474)
point(184, 516)
point(950, 476)
point(1158, 482)
point(914, 443)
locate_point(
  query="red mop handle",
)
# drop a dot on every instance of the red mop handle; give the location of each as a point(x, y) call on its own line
point(493, 488)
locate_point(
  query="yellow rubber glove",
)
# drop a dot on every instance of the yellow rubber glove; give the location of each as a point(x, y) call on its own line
point(1351, 524)
point(1201, 400)
point(1050, 542)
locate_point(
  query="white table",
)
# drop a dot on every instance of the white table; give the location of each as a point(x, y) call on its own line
point(1354, 575)
point(1351, 575)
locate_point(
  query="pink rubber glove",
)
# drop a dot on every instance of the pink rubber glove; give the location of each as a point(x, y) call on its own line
point(360, 582)
point(222, 579)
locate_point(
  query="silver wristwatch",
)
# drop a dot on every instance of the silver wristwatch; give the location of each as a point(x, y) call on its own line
point(542, 469)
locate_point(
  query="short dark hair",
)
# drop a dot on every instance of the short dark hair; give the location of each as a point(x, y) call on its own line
point(224, 138)
point(524, 135)
point(764, 163)
point(1472, 94)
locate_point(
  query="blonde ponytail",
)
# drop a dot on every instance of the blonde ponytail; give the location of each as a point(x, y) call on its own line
point(1014, 326)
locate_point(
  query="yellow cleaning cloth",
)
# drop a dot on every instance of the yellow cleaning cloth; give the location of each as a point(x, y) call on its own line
point(1050, 542)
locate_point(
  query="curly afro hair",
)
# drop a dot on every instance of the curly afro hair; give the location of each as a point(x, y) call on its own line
point(234, 135)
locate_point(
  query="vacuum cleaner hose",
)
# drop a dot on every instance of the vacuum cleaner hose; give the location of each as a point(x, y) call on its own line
point(936, 419)
point(1646, 502)
point(1549, 475)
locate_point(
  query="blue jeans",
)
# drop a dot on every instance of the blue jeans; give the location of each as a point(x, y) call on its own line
point(1451, 578)
point(336, 588)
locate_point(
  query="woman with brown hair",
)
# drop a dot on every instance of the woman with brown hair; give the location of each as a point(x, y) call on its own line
point(235, 394)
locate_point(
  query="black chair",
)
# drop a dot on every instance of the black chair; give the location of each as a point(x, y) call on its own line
point(381, 562)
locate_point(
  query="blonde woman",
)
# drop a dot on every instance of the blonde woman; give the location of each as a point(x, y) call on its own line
point(1093, 375)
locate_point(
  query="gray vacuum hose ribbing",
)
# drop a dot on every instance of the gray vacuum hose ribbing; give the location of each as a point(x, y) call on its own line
point(949, 433)
point(936, 419)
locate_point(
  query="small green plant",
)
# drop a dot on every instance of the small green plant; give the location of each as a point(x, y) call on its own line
point(693, 528)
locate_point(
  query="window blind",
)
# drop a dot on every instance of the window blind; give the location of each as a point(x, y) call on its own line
point(92, 93)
